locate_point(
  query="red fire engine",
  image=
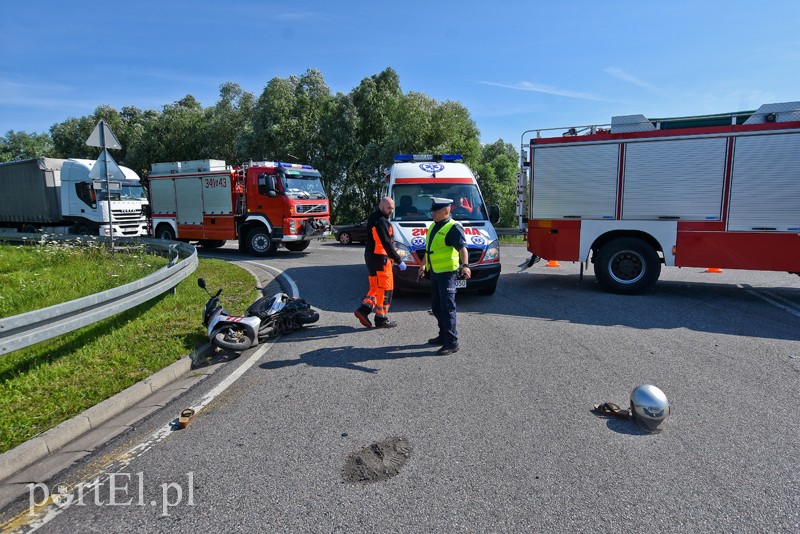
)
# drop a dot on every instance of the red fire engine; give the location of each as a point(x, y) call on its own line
point(707, 191)
point(260, 204)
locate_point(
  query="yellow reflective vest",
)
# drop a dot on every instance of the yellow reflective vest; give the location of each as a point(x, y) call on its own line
point(440, 257)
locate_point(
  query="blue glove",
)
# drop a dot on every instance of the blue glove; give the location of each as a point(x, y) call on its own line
point(401, 266)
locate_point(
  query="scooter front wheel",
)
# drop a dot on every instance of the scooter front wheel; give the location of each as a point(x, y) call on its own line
point(231, 338)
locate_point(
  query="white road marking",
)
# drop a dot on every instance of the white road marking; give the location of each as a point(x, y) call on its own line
point(773, 299)
point(41, 514)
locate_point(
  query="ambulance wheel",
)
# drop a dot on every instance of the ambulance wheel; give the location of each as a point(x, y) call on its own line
point(165, 231)
point(297, 246)
point(259, 242)
point(627, 265)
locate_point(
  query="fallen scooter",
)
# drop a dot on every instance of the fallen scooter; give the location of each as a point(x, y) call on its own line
point(266, 317)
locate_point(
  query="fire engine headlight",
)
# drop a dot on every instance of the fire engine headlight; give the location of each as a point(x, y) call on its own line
point(492, 251)
point(403, 251)
point(292, 226)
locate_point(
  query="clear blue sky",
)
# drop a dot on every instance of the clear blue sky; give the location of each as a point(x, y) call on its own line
point(514, 65)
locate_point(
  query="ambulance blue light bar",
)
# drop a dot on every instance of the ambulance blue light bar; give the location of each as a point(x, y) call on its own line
point(427, 157)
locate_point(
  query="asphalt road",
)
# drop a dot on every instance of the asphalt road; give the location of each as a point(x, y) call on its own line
point(501, 434)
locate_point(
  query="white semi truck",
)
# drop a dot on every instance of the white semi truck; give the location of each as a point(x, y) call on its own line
point(58, 196)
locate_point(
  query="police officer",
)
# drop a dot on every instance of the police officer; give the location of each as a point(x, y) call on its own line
point(377, 254)
point(446, 257)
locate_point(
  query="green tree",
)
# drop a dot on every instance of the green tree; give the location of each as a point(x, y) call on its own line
point(178, 133)
point(21, 145)
point(287, 119)
point(229, 125)
point(497, 177)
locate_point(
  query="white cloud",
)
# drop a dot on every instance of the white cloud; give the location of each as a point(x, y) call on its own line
point(546, 89)
point(624, 76)
point(14, 93)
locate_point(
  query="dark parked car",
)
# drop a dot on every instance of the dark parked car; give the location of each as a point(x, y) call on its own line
point(355, 233)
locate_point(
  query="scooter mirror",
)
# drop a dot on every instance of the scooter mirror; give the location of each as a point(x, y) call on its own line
point(201, 283)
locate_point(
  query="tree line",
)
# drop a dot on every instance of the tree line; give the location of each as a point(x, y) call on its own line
point(350, 138)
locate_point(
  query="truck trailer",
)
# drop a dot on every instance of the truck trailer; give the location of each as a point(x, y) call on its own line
point(58, 196)
point(714, 191)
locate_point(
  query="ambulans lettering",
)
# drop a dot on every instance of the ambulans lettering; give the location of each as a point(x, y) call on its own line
point(419, 231)
point(471, 231)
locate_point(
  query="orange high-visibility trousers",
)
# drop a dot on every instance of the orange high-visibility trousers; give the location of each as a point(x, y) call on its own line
point(381, 286)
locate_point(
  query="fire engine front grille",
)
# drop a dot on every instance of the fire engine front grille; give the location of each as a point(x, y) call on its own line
point(311, 208)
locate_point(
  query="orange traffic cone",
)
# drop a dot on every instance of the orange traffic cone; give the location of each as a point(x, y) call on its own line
point(553, 263)
point(715, 270)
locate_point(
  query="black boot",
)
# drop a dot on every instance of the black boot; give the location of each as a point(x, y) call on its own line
point(384, 322)
point(362, 314)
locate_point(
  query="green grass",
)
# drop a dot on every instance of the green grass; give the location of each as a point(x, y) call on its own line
point(512, 239)
point(50, 382)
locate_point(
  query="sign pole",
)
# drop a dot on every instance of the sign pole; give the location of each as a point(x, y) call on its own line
point(108, 185)
point(103, 137)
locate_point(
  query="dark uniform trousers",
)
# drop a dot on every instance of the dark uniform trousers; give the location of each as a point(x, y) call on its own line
point(443, 304)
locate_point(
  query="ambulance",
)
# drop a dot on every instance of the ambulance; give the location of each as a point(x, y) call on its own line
point(413, 180)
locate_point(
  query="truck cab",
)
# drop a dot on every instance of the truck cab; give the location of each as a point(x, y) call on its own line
point(86, 201)
point(292, 198)
point(413, 181)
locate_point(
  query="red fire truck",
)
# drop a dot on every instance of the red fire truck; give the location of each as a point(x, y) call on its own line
point(260, 204)
point(708, 191)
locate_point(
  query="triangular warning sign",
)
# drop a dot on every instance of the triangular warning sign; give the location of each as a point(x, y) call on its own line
point(98, 171)
point(103, 137)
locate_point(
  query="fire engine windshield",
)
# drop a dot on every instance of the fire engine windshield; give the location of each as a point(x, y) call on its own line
point(412, 202)
point(302, 184)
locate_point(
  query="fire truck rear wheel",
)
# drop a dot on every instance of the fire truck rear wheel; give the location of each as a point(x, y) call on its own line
point(297, 246)
point(165, 231)
point(259, 242)
point(627, 265)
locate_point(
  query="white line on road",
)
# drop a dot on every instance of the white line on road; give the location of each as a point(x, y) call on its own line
point(773, 300)
point(41, 514)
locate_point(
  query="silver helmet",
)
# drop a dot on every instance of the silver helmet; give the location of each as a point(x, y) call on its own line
point(649, 407)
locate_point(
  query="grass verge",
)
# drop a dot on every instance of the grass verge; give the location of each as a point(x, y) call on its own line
point(48, 383)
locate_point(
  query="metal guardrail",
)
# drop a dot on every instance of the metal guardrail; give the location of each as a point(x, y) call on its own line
point(500, 231)
point(26, 329)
